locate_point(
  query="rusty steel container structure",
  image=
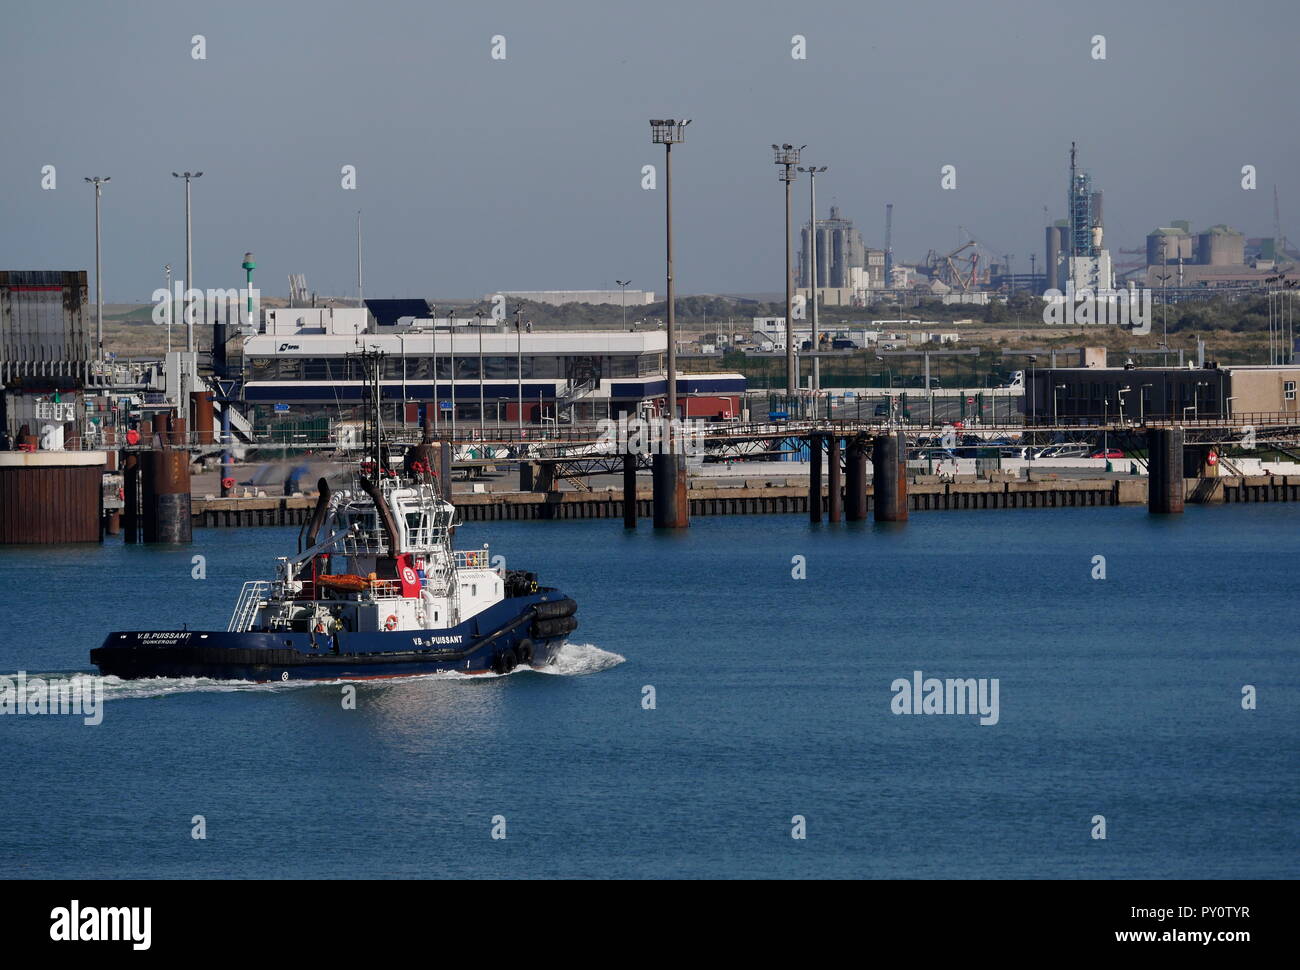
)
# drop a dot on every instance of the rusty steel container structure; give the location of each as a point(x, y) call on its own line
point(51, 496)
point(46, 350)
point(51, 491)
point(44, 330)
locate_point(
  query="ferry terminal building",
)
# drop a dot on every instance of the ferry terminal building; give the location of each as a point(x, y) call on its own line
point(303, 361)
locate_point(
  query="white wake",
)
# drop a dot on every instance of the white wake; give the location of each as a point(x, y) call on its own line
point(572, 660)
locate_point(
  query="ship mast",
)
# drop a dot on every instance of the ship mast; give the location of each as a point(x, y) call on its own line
point(377, 361)
point(372, 366)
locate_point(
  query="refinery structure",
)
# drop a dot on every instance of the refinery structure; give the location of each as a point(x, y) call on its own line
point(1176, 261)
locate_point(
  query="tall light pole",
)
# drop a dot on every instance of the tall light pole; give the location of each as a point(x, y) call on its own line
point(1164, 299)
point(669, 132)
point(623, 284)
point(451, 354)
point(813, 171)
point(481, 405)
point(433, 339)
point(189, 257)
point(361, 299)
point(98, 183)
point(401, 344)
point(671, 504)
point(1033, 381)
point(171, 305)
point(519, 372)
point(787, 156)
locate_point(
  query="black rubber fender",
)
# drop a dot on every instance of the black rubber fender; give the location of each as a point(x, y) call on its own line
point(524, 651)
point(545, 629)
point(555, 609)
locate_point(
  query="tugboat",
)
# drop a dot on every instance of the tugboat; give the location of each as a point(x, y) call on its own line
point(375, 590)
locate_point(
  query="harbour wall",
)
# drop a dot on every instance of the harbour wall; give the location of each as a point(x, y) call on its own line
point(760, 498)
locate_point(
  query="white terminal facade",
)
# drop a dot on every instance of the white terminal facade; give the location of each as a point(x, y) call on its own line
point(303, 361)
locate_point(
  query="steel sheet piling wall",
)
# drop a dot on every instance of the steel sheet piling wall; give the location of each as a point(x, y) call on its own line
point(131, 496)
point(1165, 489)
point(46, 504)
point(148, 520)
point(889, 477)
point(814, 478)
point(167, 489)
point(855, 498)
point(203, 416)
point(671, 506)
point(629, 491)
point(833, 502)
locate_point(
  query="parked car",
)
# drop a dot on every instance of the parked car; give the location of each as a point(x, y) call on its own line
point(1112, 453)
point(1064, 451)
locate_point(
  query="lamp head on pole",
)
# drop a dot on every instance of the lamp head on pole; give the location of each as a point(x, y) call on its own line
point(787, 156)
point(668, 131)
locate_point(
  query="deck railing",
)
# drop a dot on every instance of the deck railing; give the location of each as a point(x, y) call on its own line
point(250, 599)
point(473, 559)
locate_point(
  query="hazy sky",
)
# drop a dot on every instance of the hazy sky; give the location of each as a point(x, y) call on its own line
point(477, 174)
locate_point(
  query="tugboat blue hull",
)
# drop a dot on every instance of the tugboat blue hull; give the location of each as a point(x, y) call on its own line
point(520, 631)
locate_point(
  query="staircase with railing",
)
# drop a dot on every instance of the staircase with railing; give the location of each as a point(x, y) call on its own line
point(574, 391)
point(250, 599)
point(1230, 467)
point(579, 483)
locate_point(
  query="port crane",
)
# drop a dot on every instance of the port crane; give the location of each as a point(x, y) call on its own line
point(946, 268)
point(986, 254)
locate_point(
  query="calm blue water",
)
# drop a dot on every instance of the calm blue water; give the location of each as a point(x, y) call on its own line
point(1118, 697)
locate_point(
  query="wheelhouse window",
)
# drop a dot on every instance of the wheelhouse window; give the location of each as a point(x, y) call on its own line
point(417, 527)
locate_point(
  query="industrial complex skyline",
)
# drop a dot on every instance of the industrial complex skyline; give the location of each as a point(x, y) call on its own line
point(504, 149)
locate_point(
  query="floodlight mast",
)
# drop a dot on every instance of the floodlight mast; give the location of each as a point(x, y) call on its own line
point(669, 132)
point(787, 156)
